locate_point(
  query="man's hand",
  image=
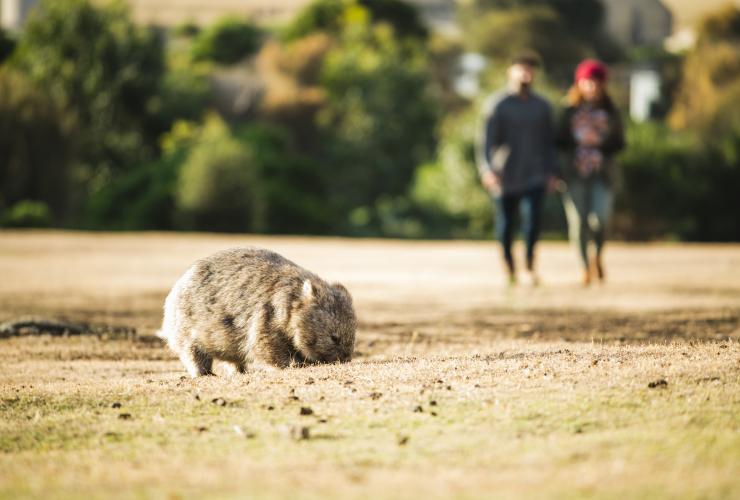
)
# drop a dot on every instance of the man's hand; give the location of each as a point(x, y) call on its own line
point(491, 182)
point(554, 184)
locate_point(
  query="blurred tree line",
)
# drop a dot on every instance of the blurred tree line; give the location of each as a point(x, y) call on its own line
point(342, 121)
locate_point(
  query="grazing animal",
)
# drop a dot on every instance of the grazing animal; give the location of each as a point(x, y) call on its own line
point(249, 305)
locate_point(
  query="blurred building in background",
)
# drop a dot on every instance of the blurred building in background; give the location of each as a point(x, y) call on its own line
point(14, 12)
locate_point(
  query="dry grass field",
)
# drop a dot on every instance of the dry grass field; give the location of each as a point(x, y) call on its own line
point(460, 387)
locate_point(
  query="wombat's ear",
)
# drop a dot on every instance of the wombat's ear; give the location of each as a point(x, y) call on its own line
point(341, 289)
point(308, 291)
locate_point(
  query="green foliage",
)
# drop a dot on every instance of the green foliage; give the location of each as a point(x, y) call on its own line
point(184, 94)
point(292, 186)
point(142, 199)
point(248, 179)
point(673, 187)
point(707, 101)
point(582, 17)
point(450, 186)
point(379, 120)
point(7, 45)
point(345, 137)
point(213, 178)
point(561, 32)
point(501, 34)
point(218, 186)
point(27, 213)
point(97, 65)
point(332, 16)
point(356, 101)
point(228, 41)
point(35, 145)
point(187, 29)
point(401, 15)
point(319, 15)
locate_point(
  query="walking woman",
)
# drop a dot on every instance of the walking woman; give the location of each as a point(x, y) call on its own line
point(590, 134)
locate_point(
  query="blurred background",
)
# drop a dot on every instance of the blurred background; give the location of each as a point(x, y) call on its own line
point(350, 117)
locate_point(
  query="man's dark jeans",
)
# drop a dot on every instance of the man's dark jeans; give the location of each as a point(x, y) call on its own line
point(529, 203)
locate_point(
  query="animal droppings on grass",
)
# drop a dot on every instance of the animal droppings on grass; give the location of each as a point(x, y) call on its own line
point(432, 403)
point(306, 410)
point(402, 440)
point(200, 428)
point(376, 395)
point(125, 416)
point(116, 405)
point(658, 384)
point(219, 401)
point(418, 409)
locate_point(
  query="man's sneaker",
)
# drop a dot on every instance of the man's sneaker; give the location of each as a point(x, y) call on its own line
point(531, 279)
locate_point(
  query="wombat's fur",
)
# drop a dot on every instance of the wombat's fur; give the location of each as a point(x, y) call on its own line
point(250, 305)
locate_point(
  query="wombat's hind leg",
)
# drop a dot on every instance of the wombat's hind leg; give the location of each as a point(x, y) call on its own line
point(233, 368)
point(196, 362)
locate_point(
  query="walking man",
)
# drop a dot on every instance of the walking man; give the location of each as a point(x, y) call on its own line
point(517, 160)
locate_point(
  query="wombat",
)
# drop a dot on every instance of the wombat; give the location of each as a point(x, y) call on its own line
point(249, 305)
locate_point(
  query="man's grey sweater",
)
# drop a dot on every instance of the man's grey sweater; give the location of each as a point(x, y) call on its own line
point(518, 143)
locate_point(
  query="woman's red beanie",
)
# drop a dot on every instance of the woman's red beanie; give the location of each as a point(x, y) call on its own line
point(591, 69)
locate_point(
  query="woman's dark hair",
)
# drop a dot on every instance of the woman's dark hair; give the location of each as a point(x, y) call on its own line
point(574, 98)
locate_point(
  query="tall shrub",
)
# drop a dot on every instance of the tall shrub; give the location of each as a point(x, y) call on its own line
point(97, 65)
point(36, 145)
point(218, 187)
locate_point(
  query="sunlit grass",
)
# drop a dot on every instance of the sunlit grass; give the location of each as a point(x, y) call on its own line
point(540, 418)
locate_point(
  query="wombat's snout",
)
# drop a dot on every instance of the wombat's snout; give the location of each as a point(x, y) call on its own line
point(340, 360)
point(334, 356)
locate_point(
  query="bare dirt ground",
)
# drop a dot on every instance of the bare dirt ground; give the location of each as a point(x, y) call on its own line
point(460, 386)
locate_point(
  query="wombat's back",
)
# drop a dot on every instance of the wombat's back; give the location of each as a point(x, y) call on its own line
point(232, 285)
